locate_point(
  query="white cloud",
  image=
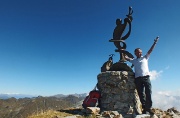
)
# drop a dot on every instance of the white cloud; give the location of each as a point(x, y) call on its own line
point(166, 99)
point(155, 75)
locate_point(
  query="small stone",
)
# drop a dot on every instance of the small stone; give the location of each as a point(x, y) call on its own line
point(92, 110)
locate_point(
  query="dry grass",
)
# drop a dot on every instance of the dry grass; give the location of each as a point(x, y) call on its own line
point(49, 114)
point(62, 113)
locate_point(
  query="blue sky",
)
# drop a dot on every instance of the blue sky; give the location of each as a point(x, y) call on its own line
point(50, 47)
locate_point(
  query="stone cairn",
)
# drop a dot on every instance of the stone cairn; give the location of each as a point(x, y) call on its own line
point(116, 80)
point(118, 92)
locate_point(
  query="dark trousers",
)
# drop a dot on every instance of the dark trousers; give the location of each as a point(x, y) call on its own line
point(143, 86)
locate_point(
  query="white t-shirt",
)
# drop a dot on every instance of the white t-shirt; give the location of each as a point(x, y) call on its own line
point(141, 66)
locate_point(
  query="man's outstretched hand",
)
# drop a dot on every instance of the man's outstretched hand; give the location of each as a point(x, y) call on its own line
point(155, 40)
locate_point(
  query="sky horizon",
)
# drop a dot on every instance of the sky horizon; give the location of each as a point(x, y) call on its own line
point(58, 47)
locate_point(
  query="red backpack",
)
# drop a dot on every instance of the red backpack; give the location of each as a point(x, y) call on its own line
point(91, 99)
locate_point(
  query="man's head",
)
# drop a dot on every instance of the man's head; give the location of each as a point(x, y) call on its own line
point(138, 52)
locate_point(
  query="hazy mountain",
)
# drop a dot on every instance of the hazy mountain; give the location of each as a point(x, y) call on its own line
point(17, 96)
point(76, 95)
point(59, 95)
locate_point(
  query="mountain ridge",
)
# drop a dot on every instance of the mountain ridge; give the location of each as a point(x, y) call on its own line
point(22, 107)
point(17, 95)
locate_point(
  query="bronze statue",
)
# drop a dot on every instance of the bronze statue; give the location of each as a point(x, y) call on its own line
point(119, 42)
point(118, 39)
point(107, 65)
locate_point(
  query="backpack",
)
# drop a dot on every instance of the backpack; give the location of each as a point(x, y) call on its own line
point(91, 99)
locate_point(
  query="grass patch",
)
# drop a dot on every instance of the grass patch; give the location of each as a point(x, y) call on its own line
point(49, 114)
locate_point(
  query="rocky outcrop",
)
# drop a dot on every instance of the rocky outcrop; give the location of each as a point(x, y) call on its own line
point(83, 113)
point(118, 92)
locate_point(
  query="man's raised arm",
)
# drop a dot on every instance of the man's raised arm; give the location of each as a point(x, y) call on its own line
point(152, 47)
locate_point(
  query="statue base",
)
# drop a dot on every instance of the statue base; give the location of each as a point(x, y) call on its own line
point(120, 66)
point(118, 92)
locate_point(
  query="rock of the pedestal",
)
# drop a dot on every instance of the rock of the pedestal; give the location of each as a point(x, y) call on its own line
point(118, 92)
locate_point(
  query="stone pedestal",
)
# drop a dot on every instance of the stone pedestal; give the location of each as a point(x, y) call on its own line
point(118, 92)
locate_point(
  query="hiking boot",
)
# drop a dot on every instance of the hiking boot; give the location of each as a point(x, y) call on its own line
point(144, 111)
point(150, 112)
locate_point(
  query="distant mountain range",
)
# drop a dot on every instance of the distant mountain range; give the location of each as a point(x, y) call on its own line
point(17, 96)
point(22, 107)
point(76, 95)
